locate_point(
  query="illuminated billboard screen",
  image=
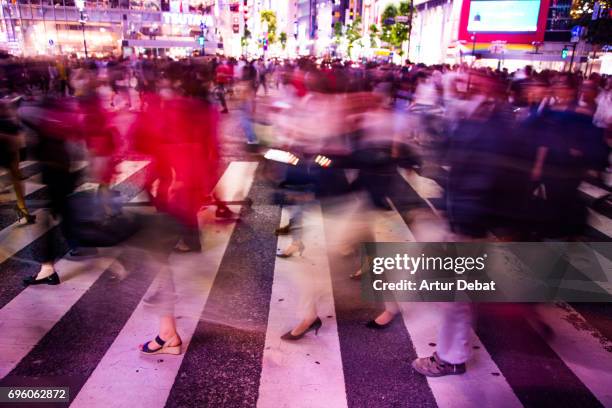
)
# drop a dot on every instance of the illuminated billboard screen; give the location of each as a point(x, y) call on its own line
point(504, 16)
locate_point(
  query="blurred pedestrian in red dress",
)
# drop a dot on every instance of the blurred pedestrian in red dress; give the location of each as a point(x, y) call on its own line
point(179, 134)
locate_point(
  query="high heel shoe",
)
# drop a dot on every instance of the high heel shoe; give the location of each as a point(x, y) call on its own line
point(316, 325)
point(290, 250)
point(21, 213)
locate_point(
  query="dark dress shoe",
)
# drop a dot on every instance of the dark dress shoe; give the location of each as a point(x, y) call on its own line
point(316, 326)
point(52, 279)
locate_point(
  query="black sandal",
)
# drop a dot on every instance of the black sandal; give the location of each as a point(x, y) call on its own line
point(163, 349)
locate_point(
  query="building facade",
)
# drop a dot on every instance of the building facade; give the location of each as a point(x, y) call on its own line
point(101, 28)
point(456, 31)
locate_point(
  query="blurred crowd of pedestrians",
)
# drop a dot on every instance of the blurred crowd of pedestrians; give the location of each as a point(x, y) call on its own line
point(509, 150)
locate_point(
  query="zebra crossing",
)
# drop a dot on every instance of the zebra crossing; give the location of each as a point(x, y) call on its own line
point(429, 189)
point(236, 299)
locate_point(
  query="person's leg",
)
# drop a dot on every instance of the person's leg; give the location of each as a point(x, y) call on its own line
point(307, 310)
point(454, 335)
point(162, 301)
point(246, 122)
point(18, 186)
point(453, 348)
point(128, 96)
point(295, 230)
point(221, 96)
point(387, 316)
point(113, 96)
point(311, 290)
point(46, 257)
point(190, 238)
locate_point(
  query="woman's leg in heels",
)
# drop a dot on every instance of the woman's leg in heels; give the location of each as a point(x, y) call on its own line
point(307, 311)
point(18, 186)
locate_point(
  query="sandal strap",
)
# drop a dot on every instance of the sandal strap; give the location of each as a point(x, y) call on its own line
point(158, 340)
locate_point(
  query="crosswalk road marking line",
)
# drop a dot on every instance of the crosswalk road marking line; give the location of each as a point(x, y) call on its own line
point(580, 348)
point(22, 315)
point(15, 237)
point(31, 314)
point(142, 197)
point(22, 165)
point(34, 183)
point(477, 386)
point(308, 372)
point(591, 190)
point(428, 188)
point(125, 170)
point(116, 382)
point(600, 222)
point(425, 187)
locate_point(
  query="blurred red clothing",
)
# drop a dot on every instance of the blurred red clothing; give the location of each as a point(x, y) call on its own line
point(224, 74)
point(99, 137)
point(180, 137)
point(298, 81)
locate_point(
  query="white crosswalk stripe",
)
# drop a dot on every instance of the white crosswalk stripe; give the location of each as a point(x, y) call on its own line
point(302, 286)
point(476, 386)
point(33, 184)
point(23, 165)
point(122, 374)
point(581, 347)
point(32, 313)
point(428, 188)
point(15, 237)
point(123, 371)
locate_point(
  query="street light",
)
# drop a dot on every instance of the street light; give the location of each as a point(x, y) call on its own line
point(82, 19)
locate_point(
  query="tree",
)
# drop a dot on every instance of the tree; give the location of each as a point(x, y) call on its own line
point(353, 33)
point(269, 17)
point(244, 41)
point(388, 20)
point(404, 8)
point(395, 33)
point(373, 34)
point(283, 39)
point(598, 30)
point(337, 32)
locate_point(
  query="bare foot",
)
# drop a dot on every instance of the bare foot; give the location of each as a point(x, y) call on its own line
point(384, 318)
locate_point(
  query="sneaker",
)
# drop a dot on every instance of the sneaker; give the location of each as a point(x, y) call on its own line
point(434, 367)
